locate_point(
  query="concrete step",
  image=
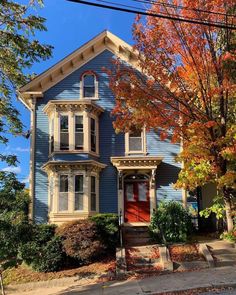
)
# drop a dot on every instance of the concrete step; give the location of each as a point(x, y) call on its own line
point(190, 265)
point(136, 241)
point(225, 263)
point(226, 257)
point(223, 251)
point(134, 235)
point(220, 245)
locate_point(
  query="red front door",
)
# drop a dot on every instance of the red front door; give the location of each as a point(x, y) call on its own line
point(137, 202)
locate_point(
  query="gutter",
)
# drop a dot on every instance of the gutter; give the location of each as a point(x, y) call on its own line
point(32, 158)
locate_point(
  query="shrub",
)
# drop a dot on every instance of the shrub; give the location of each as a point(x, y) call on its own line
point(229, 236)
point(81, 240)
point(108, 229)
point(44, 252)
point(170, 223)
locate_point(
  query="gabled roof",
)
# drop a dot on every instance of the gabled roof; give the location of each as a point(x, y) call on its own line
point(49, 78)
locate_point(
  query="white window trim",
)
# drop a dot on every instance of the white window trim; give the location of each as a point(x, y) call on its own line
point(144, 143)
point(71, 192)
point(71, 126)
point(82, 86)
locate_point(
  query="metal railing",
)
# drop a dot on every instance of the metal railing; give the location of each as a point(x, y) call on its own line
point(120, 229)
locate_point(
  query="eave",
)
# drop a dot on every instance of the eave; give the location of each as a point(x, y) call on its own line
point(75, 60)
point(136, 162)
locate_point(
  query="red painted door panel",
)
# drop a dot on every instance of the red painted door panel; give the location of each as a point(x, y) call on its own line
point(137, 202)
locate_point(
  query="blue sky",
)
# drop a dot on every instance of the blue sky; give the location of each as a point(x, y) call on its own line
point(69, 26)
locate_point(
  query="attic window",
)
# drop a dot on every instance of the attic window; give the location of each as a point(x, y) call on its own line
point(89, 85)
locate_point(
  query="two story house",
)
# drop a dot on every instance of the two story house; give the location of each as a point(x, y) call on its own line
point(79, 166)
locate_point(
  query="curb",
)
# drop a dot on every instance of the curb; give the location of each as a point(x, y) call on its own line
point(219, 285)
point(206, 253)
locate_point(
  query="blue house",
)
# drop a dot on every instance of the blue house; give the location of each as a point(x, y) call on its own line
point(79, 166)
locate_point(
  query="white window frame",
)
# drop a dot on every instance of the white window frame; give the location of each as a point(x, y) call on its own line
point(95, 86)
point(144, 145)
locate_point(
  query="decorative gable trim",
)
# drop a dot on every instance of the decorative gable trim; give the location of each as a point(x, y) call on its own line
point(49, 78)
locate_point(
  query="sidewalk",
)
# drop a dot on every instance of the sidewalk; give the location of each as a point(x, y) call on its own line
point(215, 277)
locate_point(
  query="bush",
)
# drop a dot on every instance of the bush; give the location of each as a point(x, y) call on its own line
point(44, 252)
point(108, 229)
point(81, 240)
point(170, 223)
point(229, 236)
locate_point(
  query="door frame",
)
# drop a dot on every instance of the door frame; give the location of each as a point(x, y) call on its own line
point(151, 173)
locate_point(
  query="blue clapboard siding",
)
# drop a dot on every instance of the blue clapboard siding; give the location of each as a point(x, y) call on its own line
point(167, 172)
point(111, 144)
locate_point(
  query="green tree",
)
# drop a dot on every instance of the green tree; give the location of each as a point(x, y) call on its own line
point(19, 49)
point(14, 225)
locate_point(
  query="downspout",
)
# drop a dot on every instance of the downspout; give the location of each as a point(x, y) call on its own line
point(32, 157)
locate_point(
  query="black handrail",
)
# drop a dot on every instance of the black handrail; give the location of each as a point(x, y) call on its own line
point(120, 229)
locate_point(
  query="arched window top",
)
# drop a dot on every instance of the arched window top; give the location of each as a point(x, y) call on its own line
point(89, 85)
point(136, 177)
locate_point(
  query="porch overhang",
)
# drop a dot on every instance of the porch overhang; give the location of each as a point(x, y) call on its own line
point(87, 165)
point(133, 163)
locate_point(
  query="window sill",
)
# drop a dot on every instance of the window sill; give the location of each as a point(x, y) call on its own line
point(89, 98)
point(74, 152)
point(135, 153)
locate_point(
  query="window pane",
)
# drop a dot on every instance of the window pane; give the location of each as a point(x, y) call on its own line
point(89, 80)
point(142, 191)
point(93, 193)
point(64, 134)
point(135, 144)
point(64, 141)
point(93, 202)
point(129, 192)
point(79, 141)
point(63, 201)
point(79, 180)
point(79, 135)
point(93, 135)
point(93, 184)
point(89, 91)
point(89, 85)
point(79, 201)
point(64, 123)
point(79, 124)
point(135, 133)
point(63, 183)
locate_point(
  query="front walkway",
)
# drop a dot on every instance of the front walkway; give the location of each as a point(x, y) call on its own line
point(214, 277)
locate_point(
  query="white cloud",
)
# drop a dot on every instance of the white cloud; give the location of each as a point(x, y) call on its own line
point(16, 170)
point(26, 180)
point(22, 150)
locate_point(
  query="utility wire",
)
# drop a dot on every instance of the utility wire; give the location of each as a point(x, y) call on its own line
point(157, 15)
point(162, 13)
point(152, 2)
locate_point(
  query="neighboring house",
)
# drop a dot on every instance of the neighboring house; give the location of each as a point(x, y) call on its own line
point(79, 165)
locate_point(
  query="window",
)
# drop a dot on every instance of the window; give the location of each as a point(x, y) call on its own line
point(79, 192)
point(93, 135)
point(64, 133)
point(136, 141)
point(89, 81)
point(93, 193)
point(79, 133)
point(63, 193)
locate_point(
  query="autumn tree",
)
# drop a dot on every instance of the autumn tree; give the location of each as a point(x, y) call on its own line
point(185, 86)
point(19, 49)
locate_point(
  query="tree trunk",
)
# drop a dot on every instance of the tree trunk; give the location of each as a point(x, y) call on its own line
point(228, 210)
